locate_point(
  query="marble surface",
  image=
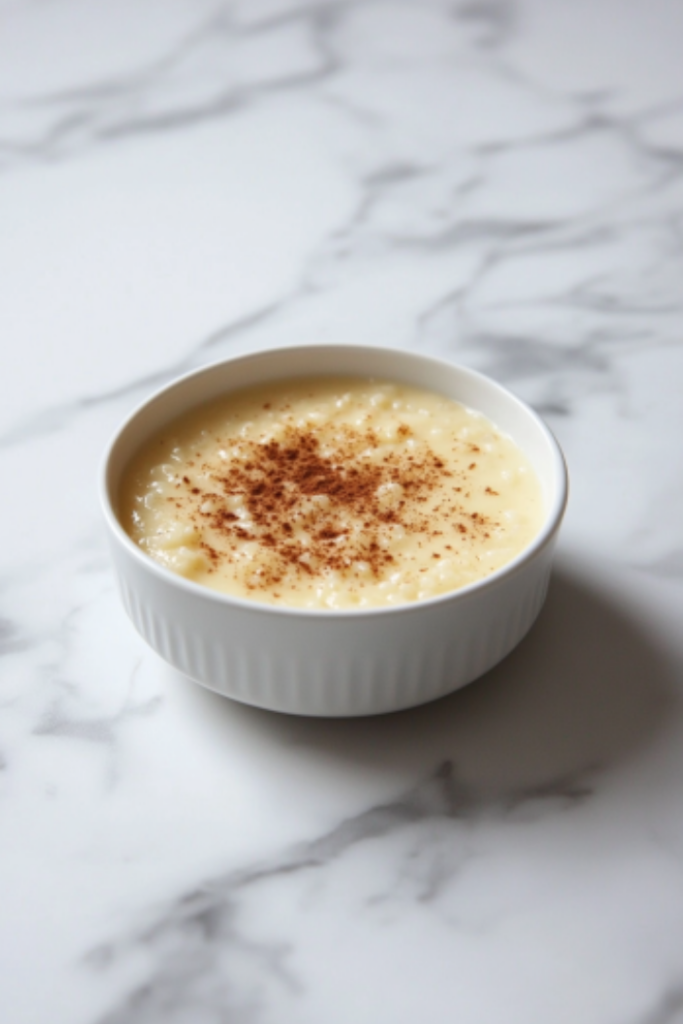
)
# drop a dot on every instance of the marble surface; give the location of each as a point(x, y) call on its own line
point(496, 181)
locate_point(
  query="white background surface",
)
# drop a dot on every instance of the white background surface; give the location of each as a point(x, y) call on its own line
point(500, 183)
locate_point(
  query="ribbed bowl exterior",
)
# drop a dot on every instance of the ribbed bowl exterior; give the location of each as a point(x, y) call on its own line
point(330, 663)
point(333, 665)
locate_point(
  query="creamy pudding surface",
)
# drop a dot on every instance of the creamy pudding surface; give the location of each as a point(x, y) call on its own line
point(332, 492)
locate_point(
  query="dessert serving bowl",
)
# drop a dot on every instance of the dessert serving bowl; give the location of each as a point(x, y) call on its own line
point(329, 662)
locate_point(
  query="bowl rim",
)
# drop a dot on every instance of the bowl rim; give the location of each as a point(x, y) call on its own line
point(545, 536)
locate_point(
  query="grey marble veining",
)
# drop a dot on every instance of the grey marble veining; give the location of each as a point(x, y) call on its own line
point(200, 937)
point(499, 183)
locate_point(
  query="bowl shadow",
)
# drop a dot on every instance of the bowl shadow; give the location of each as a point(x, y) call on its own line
point(588, 688)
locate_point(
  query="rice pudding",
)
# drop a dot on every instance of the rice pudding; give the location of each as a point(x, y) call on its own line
point(332, 492)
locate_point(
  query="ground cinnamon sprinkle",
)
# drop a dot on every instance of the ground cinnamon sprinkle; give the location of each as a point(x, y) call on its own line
point(285, 482)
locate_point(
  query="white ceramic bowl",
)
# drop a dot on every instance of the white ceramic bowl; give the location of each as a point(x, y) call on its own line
point(334, 663)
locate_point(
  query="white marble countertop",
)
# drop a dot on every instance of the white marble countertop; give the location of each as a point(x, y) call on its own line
point(499, 183)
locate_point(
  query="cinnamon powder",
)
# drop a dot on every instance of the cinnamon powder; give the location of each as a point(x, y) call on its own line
point(305, 496)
